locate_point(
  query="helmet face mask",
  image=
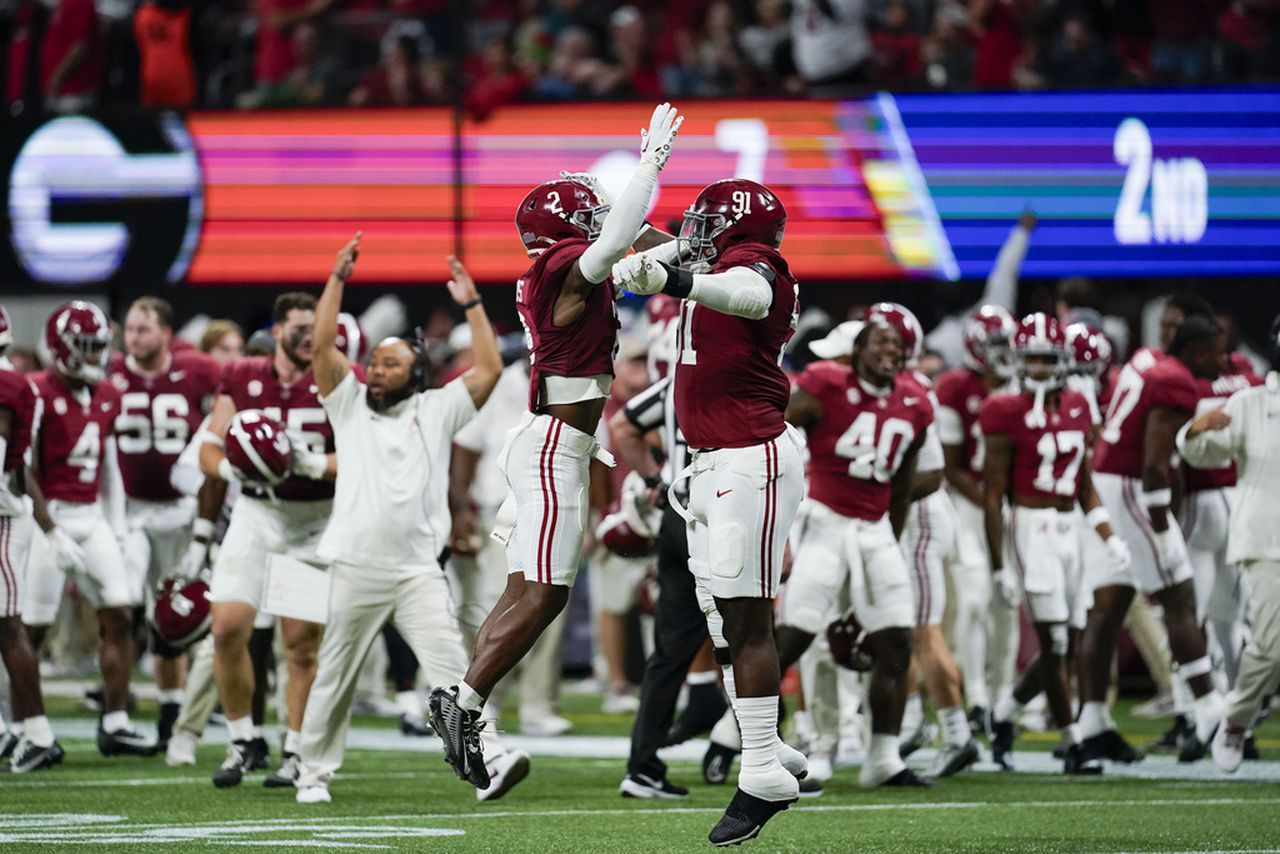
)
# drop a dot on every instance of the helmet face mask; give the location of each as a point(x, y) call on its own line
point(78, 336)
point(727, 212)
point(1038, 354)
point(559, 210)
point(698, 232)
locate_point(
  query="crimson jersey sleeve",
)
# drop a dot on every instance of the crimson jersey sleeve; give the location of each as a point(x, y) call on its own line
point(995, 413)
point(18, 397)
point(817, 378)
point(1171, 385)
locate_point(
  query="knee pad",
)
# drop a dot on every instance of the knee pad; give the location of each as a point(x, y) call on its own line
point(726, 557)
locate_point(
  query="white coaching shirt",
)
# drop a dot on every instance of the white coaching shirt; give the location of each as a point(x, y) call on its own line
point(390, 503)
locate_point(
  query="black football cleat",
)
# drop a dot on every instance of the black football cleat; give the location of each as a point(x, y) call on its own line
point(235, 766)
point(27, 757)
point(907, 779)
point(644, 786)
point(1111, 745)
point(1250, 753)
point(1075, 761)
point(125, 742)
point(259, 755)
point(1002, 735)
point(1174, 737)
point(459, 729)
point(1193, 749)
point(979, 721)
point(286, 775)
point(8, 743)
point(810, 788)
point(704, 709)
point(717, 762)
point(415, 725)
point(952, 759)
point(918, 739)
point(743, 819)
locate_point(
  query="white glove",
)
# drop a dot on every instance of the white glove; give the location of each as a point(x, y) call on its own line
point(656, 142)
point(591, 181)
point(1007, 587)
point(194, 560)
point(1120, 556)
point(1172, 551)
point(639, 274)
point(306, 462)
point(67, 554)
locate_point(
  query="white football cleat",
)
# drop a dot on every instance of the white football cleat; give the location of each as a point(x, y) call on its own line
point(1228, 748)
point(620, 703)
point(505, 771)
point(820, 767)
point(181, 749)
point(548, 724)
point(313, 794)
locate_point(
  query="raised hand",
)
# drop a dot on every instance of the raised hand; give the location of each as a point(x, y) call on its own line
point(345, 264)
point(656, 142)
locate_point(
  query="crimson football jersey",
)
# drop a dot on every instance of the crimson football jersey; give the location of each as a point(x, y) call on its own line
point(1213, 395)
point(1046, 460)
point(158, 416)
point(1147, 381)
point(70, 436)
point(962, 391)
point(730, 388)
point(17, 396)
point(858, 444)
point(251, 383)
point(584, 348)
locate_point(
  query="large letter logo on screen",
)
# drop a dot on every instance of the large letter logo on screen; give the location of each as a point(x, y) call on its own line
point(89, 202)
point(1179, 192)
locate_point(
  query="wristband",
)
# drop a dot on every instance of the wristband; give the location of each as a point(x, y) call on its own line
point(1157, 498)
point(226, 471)
point(202, 530)
point(1097, 516)
point(467, 306)
point(679, 282)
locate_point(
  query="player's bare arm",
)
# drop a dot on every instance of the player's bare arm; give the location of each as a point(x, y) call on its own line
point(1158, 447)
point(925, 484)
point(462, 473)
point(803, 409)
point(328, 365)
point(955, 470)
point(900, 495)
point(487, 367)
point(626, 217)
point(629, 442)
point(995, 475)
point(212, 453)
point(1095, 514)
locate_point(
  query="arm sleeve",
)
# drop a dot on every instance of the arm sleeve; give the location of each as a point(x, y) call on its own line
point(739, 291)
point(1214, 448)
point(621, 226)
point(646, 410)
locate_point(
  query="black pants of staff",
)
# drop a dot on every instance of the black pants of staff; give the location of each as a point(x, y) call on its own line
point(679, 630)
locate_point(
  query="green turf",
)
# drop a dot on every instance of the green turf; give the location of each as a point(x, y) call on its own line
point(406, 802)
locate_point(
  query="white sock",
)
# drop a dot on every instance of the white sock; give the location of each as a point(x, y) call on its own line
point(3, 727)
point(38, 731)
point(241, 729)
point(292, 741)
point(409, 704)
point(701, 677)
point(884, 752)
point(758, 717)
point(1008, 708)
point(115, 721)
point(955, 726)
point(1093, 719)
point(17, 728)
point(171, 696)
point(1184, 702)
point(726, 731)
point(257, 731)
point(1071, 734)
point(468, 699)
point(1209, 712)
point(913, 714)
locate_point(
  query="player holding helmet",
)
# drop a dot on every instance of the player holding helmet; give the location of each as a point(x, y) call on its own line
point(565, 302)
point(1037, 454)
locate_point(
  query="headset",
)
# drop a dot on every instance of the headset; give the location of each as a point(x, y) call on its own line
point(418, 372)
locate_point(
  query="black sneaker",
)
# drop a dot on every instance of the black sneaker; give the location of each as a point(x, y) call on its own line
point(259, 755)
point(164, 724)
point(459, 729)
point(918, 739)
point(235, 766)
point(810, 788)
point(8, 743)
point(1174, 737)
point(979, 721)
point(1002, 736)
point(644, 786)
point(1111, 745)
point(717, 762)
point(952, 759)
point(907, 779)
point(27, 757)
point(1076, 761)
point(1251, 748)
point(287, 774)
point(1193, 749)
point(704, 709)
point(125, 742)
point(743, 819)
point(415, 725)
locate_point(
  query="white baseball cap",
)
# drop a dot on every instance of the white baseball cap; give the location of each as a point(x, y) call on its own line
point(838, 342)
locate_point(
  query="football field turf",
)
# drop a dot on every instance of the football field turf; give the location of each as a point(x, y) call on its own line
point(401, 797)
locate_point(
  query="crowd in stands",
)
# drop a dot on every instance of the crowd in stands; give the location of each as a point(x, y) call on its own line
point(69, 55)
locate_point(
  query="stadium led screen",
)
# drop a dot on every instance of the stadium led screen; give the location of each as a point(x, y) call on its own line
point(1163, 183)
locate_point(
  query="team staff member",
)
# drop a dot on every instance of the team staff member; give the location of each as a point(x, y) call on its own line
point(1244, 431)
point(391, 521)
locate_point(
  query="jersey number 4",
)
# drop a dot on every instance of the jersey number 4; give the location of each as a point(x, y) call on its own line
point(872, 458)
point(87, 452)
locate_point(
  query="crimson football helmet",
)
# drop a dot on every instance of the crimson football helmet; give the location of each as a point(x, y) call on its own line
point(734, 210)
point(1039, 335)
point(849, 645)
point(986, 339)
point(6, 331)
point(633, 530)
point(351, 341)
point(181, 615)
point(1090, 351)
point(78, 336)
point(259, 448)
point(559, 210)
point(901, 319)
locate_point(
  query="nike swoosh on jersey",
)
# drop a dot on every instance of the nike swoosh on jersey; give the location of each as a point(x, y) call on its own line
point(1074, 413)
point(910, 401)
point(721, 493)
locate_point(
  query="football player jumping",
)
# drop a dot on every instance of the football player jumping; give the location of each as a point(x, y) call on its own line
point(565, 302)
point(746, 478)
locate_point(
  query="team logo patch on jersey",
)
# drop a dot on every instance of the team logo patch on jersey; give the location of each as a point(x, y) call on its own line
point(855, 396)
point(119, 381)
point(255, 388)
point(60, 405)
point(177, 376)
